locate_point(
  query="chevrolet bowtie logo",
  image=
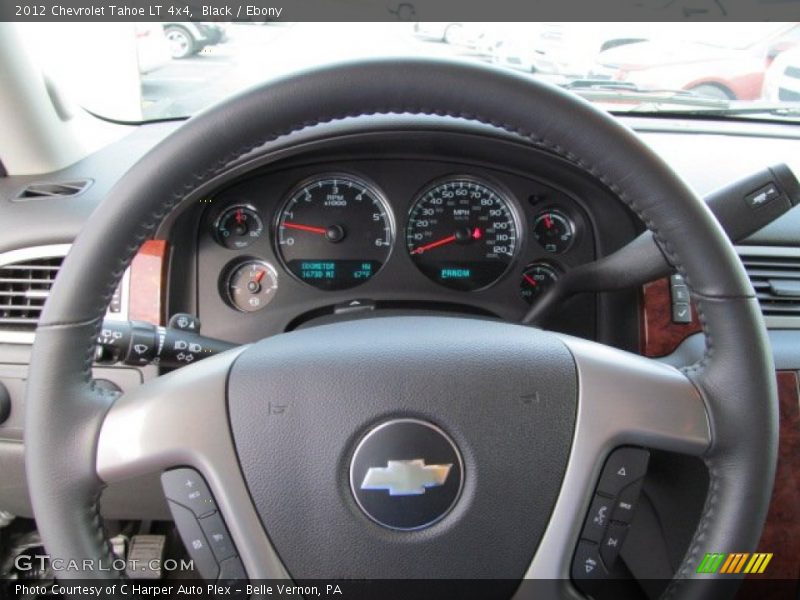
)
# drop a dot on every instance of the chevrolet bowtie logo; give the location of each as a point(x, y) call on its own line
point(405, 477)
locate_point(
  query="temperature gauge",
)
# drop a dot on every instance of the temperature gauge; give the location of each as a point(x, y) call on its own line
point(250, 286)
point(238, 227)
point(554, 231)
point(536, 278)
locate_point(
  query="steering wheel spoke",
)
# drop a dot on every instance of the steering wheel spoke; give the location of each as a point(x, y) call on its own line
point(624, 400)
point(181, 420)
point(628, 399)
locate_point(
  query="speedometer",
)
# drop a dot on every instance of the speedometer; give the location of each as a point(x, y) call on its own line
point(462, 233)
point(334, 232)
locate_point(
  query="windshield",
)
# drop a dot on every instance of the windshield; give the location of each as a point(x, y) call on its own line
point(150, 71)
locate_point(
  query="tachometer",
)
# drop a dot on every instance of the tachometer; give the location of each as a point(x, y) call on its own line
point(462, 233)
point(334, 232)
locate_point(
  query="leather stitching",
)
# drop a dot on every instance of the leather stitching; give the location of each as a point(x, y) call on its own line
point(685, 569)
point(709, 508)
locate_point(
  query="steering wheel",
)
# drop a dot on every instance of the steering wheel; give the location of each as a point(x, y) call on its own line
point(517, 420)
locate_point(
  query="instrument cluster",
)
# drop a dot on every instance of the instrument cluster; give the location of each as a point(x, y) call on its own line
point(336, 231)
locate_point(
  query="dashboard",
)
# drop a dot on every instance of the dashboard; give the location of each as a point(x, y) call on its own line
point(219, 240)
point(407, 222)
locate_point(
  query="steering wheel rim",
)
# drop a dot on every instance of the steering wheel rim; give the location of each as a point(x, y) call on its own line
point(65, 413)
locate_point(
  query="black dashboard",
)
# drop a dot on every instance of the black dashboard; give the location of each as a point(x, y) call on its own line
point(403, 220)
point(401, 159)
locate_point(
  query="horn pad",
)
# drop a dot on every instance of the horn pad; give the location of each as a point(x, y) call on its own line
point(476, 417)
point(406, 474)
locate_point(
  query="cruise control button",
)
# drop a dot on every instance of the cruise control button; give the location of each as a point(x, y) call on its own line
point(625, 506)
point(624, 466)
point(598, 518)
point(218, 536)
point(612, 543)
point(587, 567)
point(194, 540)
point(187, 487)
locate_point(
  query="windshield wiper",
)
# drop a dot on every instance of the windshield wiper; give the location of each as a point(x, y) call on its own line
point(775, 110)
point(646, 100)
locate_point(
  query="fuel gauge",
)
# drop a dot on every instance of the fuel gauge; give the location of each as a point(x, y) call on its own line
point(251, 285)
point(554, 231)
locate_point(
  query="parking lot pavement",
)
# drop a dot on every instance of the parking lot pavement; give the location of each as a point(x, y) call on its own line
point(255, 53)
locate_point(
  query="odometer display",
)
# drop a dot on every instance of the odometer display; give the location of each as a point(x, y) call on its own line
point(462, 233)
point(334, 232)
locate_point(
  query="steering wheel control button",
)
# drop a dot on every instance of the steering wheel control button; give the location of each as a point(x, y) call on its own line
point(587, 567)
point(612, 543)
point(598, 518)
point(610, 514)
point(195, 541)
point(625, 506)
point(623, 467)
point(406, 474)
point(218, 537)
point(187, 487)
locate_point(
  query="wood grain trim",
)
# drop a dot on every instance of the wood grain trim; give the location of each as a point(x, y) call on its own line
point(659, 335)
point(781, 534)
point(148, 283)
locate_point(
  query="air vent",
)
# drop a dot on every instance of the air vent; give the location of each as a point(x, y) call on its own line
point(776, 279)
point(24, 287)
point(61, 189)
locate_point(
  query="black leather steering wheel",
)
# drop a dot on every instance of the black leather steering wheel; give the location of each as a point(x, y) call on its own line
point(211, 416)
